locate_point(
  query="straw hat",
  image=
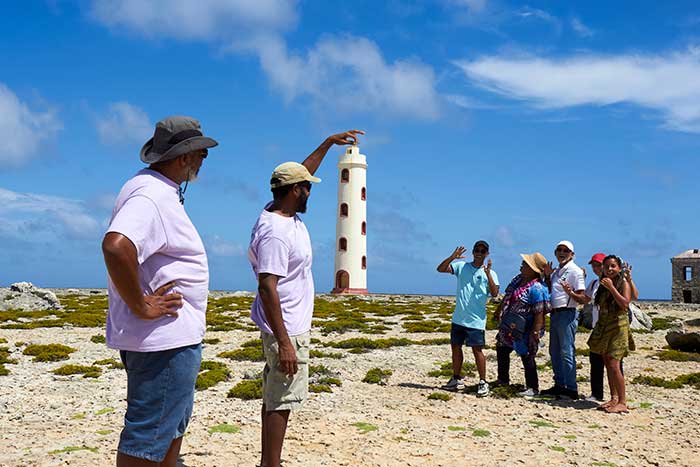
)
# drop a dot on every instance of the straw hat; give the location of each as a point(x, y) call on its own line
point(536, 261)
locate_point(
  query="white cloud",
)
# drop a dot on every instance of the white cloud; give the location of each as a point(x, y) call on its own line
point(581, 29)
point(669, 84)
point(202, 19)
point(535, 13)
point(23, 130)
point(218, 246)
point(124, 123)
point(475, 6)
point(28, 214)
point(348, 74)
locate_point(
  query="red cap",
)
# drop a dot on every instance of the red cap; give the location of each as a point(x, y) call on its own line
point(597, 258)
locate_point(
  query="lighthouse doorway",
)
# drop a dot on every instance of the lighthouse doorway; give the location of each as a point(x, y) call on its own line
point(342, 280)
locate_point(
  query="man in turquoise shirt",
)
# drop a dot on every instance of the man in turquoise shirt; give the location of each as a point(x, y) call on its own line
point(475, 283)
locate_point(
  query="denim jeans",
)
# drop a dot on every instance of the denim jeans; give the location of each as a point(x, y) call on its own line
point(562, 347)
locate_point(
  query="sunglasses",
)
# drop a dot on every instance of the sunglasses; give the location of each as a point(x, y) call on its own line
point(562, 250)
point(481, 251)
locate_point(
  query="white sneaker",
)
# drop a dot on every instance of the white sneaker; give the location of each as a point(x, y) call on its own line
point(529, 392)
point(483, 389)
point(454, 384)
point(592, 398)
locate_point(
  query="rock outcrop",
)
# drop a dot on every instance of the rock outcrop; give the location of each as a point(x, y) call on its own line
point(685, 336)
point(26, 297)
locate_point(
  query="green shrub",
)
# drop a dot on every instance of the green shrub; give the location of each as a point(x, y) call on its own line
point(316, 388)
point(507, 391)
point(557, 448)
point(3, 340)
point(439, 396)
point(678, 356)
point(98, 339)
point(72, 449)
point(224, 428)
point(211, 341)
point(86, 371)
point(445, 370)
point(3, 371)
point(426, 326)
point(314, 353)
point(252, 354)
point(657, 382)
point(110, 362)
point(247, 390)
point(5, 356)
point(542, 424)
point(661, 324)
point(456, 428)
point(583, 352)
point(49, 352)
point(365, 427)
point(210, 378)
point(377, 376)
point(479, 433)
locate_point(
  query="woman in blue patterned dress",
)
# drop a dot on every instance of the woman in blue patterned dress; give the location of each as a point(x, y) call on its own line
point(521, 316)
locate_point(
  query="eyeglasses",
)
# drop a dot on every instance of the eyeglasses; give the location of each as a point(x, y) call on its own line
point(481, 251)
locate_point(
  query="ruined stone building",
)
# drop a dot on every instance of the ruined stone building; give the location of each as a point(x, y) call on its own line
point(686, 277)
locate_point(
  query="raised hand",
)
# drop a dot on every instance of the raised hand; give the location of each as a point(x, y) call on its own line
point(487, 268)
point(348, 137)
point(459, 252)
point(161, 304)
point(548, 269)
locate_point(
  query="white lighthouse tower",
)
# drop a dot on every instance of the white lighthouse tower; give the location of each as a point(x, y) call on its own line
point(351, 226)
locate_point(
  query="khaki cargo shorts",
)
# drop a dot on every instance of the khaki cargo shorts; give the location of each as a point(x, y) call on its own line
point(280, 392)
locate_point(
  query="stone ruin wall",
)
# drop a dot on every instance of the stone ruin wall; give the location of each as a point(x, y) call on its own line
point(679, 283)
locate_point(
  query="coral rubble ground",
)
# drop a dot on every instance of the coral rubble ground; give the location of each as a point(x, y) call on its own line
point(57, 415)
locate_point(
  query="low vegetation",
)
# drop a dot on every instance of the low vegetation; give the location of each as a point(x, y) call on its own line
point(377, 376)
point(49, 352)
point(251, 354)
point(439, 396)
point(98, 339)
point(689, 379)
point(248, 389)
point(223, 428)
point(111, 363)
point(365, 427)
point(445, 370)
point(678, 356)
point(85, 370)
point(211, 374)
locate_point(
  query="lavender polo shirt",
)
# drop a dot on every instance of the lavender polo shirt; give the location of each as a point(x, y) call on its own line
point(281, 246)
point(148, 212)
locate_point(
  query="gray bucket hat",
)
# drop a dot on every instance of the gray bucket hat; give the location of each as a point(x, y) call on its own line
point(175, 136)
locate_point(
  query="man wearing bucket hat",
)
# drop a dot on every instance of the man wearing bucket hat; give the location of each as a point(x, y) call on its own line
point(158, 288)
point(567, 286)
point(280, 254)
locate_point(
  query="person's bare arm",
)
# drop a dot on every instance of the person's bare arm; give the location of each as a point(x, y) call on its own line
point(445, 266)
point(633, 286)
point(623, 299)
point(267, 288)
point(313, 160)
point(122, 265)
point(493, 288)
point(579, 296)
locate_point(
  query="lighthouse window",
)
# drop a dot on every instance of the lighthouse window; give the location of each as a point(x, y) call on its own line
point(343, 244)
point(363, 194)
point(364, 262)
point(344, 210)
point(344, 176)
point(364, 228)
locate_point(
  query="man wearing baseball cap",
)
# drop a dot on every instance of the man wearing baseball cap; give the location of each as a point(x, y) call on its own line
point(158, 288)
point(566, 284)
point(280, 254)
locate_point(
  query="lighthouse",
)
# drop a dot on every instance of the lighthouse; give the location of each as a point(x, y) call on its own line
point(351, 224)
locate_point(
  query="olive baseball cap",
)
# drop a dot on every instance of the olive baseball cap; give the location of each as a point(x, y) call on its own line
point(290, 173)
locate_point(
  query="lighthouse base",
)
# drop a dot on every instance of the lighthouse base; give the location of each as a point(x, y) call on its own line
point(349, 291)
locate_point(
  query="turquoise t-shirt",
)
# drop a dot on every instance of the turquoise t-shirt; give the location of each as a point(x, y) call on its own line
point(472, 294)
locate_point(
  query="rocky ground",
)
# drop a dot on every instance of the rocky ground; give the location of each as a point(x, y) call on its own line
point(52, 420)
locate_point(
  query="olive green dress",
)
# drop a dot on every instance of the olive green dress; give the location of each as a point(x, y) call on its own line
point(611, 335)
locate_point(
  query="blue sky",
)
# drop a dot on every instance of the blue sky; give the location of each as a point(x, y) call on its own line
point(519, 123)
